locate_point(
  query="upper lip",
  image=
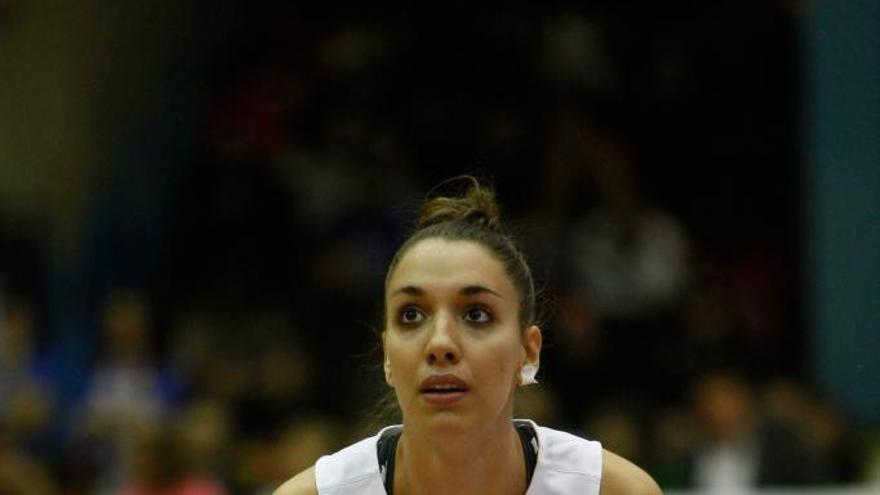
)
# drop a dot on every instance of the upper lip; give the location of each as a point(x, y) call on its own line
point(446, 380)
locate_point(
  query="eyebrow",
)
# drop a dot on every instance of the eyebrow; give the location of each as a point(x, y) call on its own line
point(469, 290)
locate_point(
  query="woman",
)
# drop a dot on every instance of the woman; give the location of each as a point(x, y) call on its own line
point(459, 337)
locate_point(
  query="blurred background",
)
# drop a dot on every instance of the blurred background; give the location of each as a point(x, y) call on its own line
point(198, 202)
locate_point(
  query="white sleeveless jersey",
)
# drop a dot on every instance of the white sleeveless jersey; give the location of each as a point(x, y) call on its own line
point(566, 465)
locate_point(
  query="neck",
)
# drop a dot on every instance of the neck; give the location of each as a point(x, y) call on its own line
point(465, 463)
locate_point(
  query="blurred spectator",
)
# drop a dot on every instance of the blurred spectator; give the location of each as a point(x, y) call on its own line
point(128, 385)
point(27, 395)
point(672, 440)
point(282, 386)
point(129, 392)
point(821, 426)
point(203, 437)
point(296, 448)
point(626, 266)
point(629, 259)
point(738, 449)
point(159, 467)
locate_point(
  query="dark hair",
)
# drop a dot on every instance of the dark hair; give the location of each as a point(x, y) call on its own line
point(473, 215)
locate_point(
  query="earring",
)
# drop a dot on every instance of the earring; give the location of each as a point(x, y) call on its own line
point(527, 374)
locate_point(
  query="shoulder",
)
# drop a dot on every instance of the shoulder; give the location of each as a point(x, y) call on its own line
point(622, 477)
point(301, 484)
point(567, 463)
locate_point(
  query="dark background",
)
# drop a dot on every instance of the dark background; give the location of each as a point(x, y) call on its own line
point(200, 201)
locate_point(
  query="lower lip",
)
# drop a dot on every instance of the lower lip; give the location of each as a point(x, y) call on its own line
point(443, 398)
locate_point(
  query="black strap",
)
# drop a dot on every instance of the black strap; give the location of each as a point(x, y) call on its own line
point(386, 448)
point(528, 437)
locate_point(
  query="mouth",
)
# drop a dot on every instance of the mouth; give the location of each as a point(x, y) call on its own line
point(443, 389)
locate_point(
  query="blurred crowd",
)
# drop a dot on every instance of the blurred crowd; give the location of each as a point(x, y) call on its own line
point(669, 285)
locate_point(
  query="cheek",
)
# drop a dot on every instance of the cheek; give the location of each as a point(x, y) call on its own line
point(504, 362)
point(401, 359)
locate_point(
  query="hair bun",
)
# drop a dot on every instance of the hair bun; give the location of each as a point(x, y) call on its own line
point(475, 204)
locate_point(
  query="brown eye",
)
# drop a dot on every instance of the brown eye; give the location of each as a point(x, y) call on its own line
point(477, 315)
point(411, 315)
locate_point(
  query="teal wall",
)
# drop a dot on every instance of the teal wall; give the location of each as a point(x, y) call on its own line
point(843, 200)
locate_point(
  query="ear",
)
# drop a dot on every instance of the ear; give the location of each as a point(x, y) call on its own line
point(386, 364)
point(532, 345)
point(532, 356)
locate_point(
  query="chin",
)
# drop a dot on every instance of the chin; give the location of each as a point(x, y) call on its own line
point(448, 422)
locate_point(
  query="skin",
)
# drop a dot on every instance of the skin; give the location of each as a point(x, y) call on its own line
point(451, 308)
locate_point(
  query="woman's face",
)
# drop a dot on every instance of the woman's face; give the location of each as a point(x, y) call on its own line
point(453, 345)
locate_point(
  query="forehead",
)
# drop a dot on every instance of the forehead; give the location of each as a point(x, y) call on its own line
point(437, 263)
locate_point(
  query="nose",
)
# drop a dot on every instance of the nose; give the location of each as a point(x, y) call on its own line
point(442, 347)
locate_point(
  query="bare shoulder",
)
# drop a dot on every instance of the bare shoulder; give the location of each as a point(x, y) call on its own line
point(622, 477)
point(301, 484)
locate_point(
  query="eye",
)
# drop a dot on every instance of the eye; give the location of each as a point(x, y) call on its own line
point(477, 314)
point(411, 315)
